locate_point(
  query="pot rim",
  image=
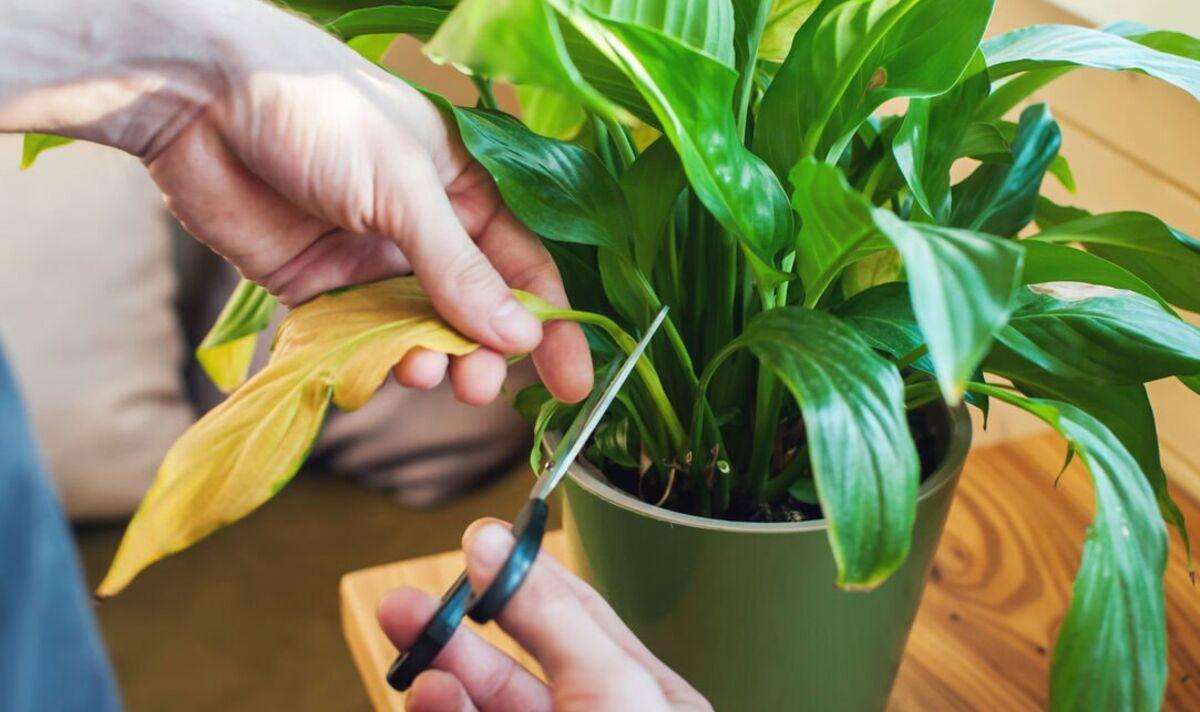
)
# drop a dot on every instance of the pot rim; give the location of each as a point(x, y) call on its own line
point(585, 474)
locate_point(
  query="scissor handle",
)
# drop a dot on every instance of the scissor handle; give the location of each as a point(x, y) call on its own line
point(528, 528)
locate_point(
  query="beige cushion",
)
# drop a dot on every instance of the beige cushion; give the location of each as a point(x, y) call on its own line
point(86, 314)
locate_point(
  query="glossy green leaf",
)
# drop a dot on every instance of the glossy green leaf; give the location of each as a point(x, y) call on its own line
point(863, 458)
point(961, 282)
point(558, 189)
point(928, 140)
point(1124, 410)
point(852, 55)
point(1100, 334)
point(1049, 214)
point(1111, 651)
point(783, 22)
point(1008, 94)
point(1050, 262)
point(884, 316)
point(550, 113)
point(228, 348)
point(652, 185)
point(691, 91)
point(530, 51)
point(991, 142)
point(626, 287)
point(837, 226)
point(1165, 258)
point(35, 143)
point(420, 22)
point(1001, 199)
point(1064, 47)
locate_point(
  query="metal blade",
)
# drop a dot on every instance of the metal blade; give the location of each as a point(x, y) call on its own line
point(590, 415)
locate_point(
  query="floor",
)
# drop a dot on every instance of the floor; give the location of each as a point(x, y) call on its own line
point(248, 619)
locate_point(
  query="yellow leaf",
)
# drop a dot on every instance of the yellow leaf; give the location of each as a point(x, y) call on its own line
point(340, 346)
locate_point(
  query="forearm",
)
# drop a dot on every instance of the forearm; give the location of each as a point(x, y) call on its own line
point(126, 73)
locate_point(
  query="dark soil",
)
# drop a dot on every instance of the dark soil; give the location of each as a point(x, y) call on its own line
point(930, 427)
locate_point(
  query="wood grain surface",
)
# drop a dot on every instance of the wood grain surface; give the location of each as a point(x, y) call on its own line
point(1000, 584)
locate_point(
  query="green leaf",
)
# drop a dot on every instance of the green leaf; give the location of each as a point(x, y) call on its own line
point(884, 316)
point(928, 140)
point(1124, 410)
point(420, 22)
point(372, 47)
point(626, 287)
point(1065, 47)
point(228, 348)
point(862, 455)
point(35, 143)
point(991, 142)
point(652, 185)
point(1050, 214)
point(549, 113)
point(961, 282)
point(1112, 649)
point(691, 90)
point(1192, 382)
point(1001, 199)
point(852, 55)
point(558, 189)
point(1050, 262)
point(1165, 258)
point(837, 226)
point(1099, 334)
point(530, 51)
point(783, 22)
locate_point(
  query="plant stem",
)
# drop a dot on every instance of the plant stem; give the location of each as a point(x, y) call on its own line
point(619, 137)
point(781, 483)
point(603, 146)
point(644, 368)
point(483, 85)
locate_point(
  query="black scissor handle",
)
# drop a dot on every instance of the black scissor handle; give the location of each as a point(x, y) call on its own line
point(528, 528)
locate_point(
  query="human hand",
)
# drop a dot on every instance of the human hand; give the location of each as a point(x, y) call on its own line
point(591, 660)
point(306, 167)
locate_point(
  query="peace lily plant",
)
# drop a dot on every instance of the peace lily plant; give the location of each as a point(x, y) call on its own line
point(825, 272)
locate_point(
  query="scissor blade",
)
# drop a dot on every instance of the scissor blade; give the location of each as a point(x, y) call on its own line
point(590, 415)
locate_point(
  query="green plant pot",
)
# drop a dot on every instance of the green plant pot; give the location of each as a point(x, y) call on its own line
point(747, 612)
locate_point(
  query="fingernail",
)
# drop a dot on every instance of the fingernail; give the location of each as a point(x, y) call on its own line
point(516, 326)
point(489, 547)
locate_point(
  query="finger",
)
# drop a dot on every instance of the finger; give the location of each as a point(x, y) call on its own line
point(676, 689)
point(563, 360)
point(463, 285)
point(546, 618)
point(492, 678)
point(438, 691)
point(421, 368)
point(478, 376)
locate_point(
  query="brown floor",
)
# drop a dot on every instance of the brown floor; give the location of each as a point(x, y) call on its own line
point(248, 619)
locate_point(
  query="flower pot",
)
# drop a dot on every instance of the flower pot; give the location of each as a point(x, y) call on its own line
point(748, 612)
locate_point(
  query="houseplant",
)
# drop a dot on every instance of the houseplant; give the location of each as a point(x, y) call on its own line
point(828, 284)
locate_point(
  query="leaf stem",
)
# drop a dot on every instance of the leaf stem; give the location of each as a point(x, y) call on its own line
point(644, 368)
point(483, 85)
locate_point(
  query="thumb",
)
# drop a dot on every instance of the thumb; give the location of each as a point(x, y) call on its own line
point(464, 286)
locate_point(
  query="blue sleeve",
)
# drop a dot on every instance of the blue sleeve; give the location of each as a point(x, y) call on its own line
point(51, 657)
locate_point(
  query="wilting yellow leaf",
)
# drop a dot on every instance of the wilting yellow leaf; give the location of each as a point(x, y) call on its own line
point(340, 346)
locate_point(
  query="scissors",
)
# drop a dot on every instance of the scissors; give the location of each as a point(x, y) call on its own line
point(528, 528)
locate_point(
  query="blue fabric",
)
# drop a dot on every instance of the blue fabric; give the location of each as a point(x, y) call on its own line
point(51, 657)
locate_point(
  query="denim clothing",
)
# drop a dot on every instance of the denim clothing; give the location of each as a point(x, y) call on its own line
point(51, 658)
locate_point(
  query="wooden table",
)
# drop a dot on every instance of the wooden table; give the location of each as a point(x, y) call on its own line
point(999, 587)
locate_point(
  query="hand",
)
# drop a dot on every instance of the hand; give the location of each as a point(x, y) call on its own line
point(305, 166)
point(592, 661)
